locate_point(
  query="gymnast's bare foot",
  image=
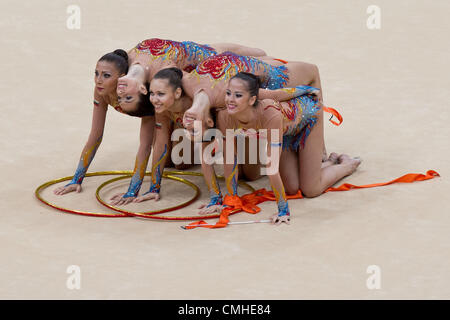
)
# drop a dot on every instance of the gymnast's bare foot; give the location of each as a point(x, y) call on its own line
point(332, 159)
point(324, 155)
point(352, 162)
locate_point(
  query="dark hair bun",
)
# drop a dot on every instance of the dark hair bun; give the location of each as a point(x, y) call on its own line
point(177, 71)
point(121, 53)
point(119, 57)
point(258, 80)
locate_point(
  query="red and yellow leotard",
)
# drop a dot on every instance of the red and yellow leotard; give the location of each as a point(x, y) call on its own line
point(186, 54)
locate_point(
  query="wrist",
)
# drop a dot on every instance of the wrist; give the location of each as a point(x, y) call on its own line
point(71, 183)
point(154, 188)
point(133, 189)
point(130, 194)
point(215, 200)
point(283, 209)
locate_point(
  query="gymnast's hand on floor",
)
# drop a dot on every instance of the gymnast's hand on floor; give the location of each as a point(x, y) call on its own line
point(210, 209)
point(67, 188)
point(118, 199)
point(147, 196)
point(277, 220)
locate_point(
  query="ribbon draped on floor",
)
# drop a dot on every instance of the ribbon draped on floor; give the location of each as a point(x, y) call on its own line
point(249, 202)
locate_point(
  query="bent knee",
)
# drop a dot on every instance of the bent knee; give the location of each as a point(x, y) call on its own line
point(313, 70)
point(291, 188)
point(251, 176)
point(183, 166)
point(250, 172)
point(259, 52)
point(311, 192)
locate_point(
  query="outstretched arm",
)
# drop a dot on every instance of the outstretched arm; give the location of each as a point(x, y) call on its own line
point(274, 149)
point(215, 195)
point(216, 200)
point(230, 166)
point(89, 150)
point(159, 157)
point(231, 174)
point(145, 148)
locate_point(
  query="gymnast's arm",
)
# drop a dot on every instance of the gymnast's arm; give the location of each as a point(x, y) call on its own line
point(145, 148)
point(216, 201)
point(230, 167)
point(200, 104)
point(159, 157)
point(274, 149)
point(200, 100)
point(89, 150)
point(285, 94)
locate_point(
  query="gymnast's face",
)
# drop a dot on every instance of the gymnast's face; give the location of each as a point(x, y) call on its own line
point(128, 93)
point(237, 97)
point(163, 95)
point(106, 75)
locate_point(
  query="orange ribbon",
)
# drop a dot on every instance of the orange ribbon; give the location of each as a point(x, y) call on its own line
point(281, 60)
point(249, 202)
point(335, 113)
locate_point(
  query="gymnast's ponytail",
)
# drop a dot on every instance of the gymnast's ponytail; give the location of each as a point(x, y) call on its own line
point(253, 83)
point(119, 57)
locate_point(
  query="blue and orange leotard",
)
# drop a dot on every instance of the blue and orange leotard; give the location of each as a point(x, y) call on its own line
point(299, 117)
point(223, 66)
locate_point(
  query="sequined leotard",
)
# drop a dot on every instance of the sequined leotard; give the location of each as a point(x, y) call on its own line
point(299, 117)
point(223, 66)
point(186, 55)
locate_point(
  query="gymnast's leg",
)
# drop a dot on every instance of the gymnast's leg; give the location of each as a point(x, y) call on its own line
point(238, 49)
point(289, 171)
point(250, 170)
point(313, 179)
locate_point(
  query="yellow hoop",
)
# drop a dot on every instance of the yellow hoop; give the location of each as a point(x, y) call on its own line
point(91, 174)
point(124, 213)
point(152, 214)
point(149, 213)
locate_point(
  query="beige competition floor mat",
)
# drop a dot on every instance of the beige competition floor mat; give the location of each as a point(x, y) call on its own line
point(383, 65)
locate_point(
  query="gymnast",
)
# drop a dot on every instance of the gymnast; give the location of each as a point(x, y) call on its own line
point(110, 67)
point(150, 56)
point(170, 103)
point(298, 146)
point(211, 76)
point(207, 83)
